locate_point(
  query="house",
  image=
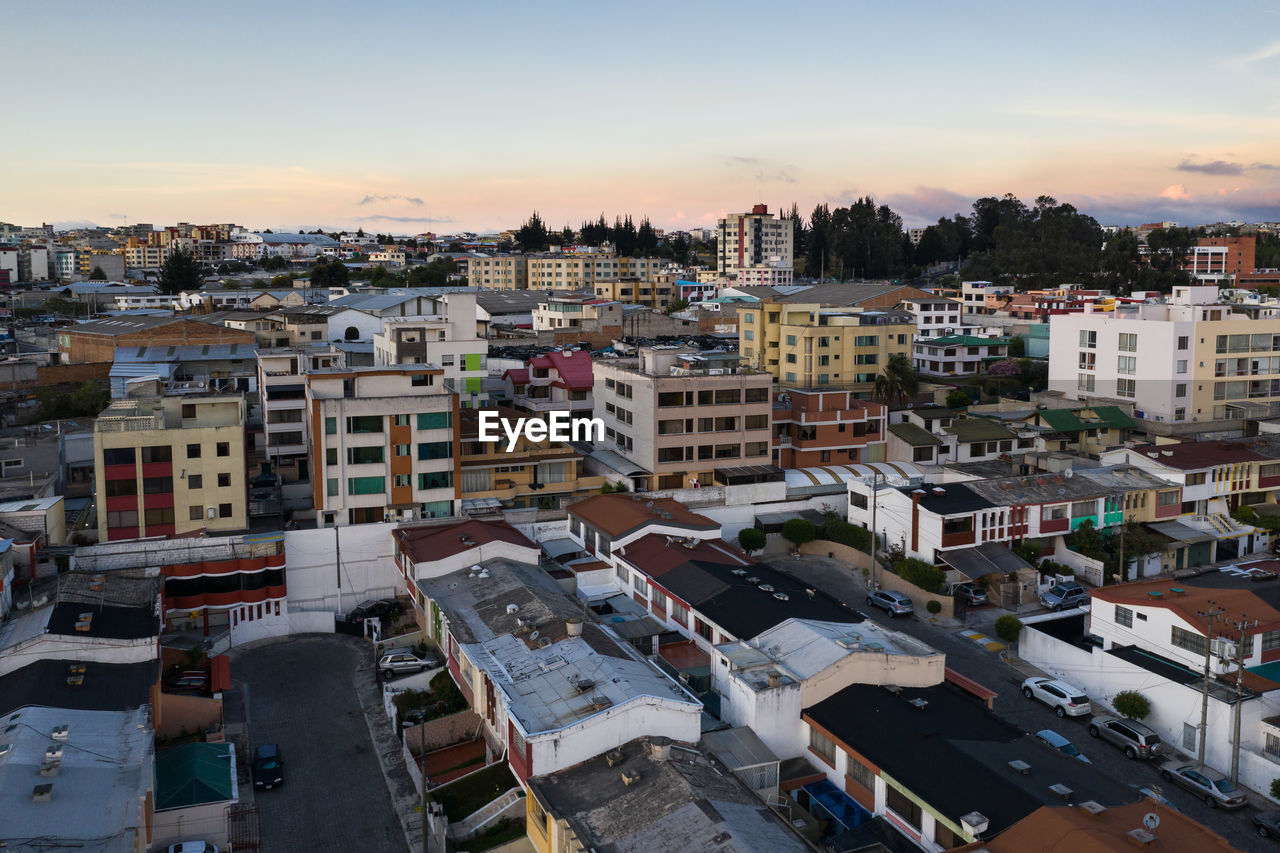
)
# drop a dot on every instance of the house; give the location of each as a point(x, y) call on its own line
point(555, 381)
point(97, 340)
point(195, 788)
point(425, 551)
point(958, 355)
point(1094, 827)
point(817, 427)
point(1083, 431)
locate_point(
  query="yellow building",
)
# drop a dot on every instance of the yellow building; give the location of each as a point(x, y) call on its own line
point(655, 291)
point(809, 345)
point(558, 270)
point(170, 465)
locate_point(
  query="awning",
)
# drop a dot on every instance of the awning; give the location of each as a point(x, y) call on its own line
point(983, 560)
point(618, 463)
point(481, 503)
point(1176, 531)
point(559, 547)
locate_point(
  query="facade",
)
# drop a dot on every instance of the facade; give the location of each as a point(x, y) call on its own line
point(1221, 259)
point(384, 439)
point(556, 381)
point(958, 355)
point(936, 316)
point(138, 255)
point(808, 345)
point(446, 338)
point(814, 427)
point(1191, 359)
point(974, 295)
point(283, 400)
point(503, 272)
point(97, 340)
point(755, 248)
point(677, 414)
point(564, 313)
point(165, 466)
point(652, 290)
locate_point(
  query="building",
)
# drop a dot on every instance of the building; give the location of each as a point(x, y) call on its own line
point(221, 368)
point(676, 415)
point(936, 316)
point(138, 255)
point(815, 427)
point(1219, 260)
point(111, 263)
point(170, 465)
point(97, 340)
point(809, 345)
point(974, 295)
point(283, 399)
point(387, 440)
point(1190, 360)
point(1118, 829)
point(653, 290)
point(282, 245)
point(958, 355)
point(503, 272)
point(446, 338)
point(390, 258)
point(563, 313)
point(755, 247)
point(555, 381)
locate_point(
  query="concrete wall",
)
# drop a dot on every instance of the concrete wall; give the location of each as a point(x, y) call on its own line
point(206, 823)
point(1085, 568)
point(442, 732)
point(368, 567)
point(612, 727)
point(919, 598)
point(81, 648)
point(181, 713)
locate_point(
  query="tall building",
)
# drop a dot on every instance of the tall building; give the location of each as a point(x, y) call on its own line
point(809, 345)
point(170, 465)
point(446, 339)
point(755, 247)
point(677, 415)
point(383, 444)
point(282, 389)
point(813, 428)
point(1190, 359)
point(1221, 259)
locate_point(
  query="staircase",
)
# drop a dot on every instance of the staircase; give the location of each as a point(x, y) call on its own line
point(486, 815)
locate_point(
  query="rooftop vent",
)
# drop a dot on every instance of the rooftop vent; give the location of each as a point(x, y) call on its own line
point(1062, 792)
point(613, 757)
point(584, 684)
point(573, 627)
point(1093, 807)
point(1141, 837)
point(974, 823)
point(782, 596)
point(54, 752)
point(917, 703)
point(1020, 767)
point(1177, 590)
point(60, 732)
point(738, 572)
point(630, 777)
point(513, 608)
point(753, 580)
point(766, 587)
point(660, 748)
point(938, 490)
point(42, 793)
point(600, 702)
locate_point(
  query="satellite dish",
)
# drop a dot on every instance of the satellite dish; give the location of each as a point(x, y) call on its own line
point(1151, 820)
point(1068, 473)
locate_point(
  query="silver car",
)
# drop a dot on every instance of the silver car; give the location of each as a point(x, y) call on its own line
point(1215, 789)
point(400, 661)
point(893, 602)
point(1137, 740)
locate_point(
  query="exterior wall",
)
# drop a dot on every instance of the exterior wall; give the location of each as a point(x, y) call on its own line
point(821, 428)
point(80, 648)
point(613, 727)
point(179, 713)
point(206, 822)
point(79, 347)
point(772, 713)
point(755, 248)
point(315, 583)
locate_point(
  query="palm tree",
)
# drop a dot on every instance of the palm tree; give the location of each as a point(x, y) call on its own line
point(897, 382)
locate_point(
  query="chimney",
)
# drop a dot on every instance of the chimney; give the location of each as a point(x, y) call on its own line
point(660, 748)
point(974, 823)
point(775, 679)
point(938, 490)
point(573, 627)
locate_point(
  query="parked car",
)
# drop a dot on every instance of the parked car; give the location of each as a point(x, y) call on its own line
point(191, 679)
point(1064, 595)
point(1267, 824)
point(400, 661)
point(371, 608)
point(1052, 739)
point(268, 766)
point(1137, 740)
point(193, 847)
point(1065, 699)
point(892, 602)
point(1216, 790)
point(973, 594)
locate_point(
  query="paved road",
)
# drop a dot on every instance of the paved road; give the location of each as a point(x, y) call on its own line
point(301, 696)
point(987, 668)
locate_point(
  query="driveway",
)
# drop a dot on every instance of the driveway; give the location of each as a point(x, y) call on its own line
point(302, 695)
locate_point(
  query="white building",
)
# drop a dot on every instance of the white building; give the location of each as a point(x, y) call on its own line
point(755, 247)
point(446, 338)
point(936, 316)
point(282, 386)
point(973, 294)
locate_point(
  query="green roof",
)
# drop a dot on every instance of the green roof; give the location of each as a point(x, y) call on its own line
point(1114, 416)
point(1062, 420)
point(193, 774)
point(977, 429)
point(1106, 417)
point(916, 436)
point(962, 340)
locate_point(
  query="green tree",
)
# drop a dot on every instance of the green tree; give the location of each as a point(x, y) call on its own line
point(676, 305)
point(180, 272)
point(1131, 704)
point(836, 529)
point(917, 572)
point(751, 539)
point(434, 274)
point(933, 606)
point(533, 236)
point(958, 400)
point(1017, 347)
point(1008, 627)
point(798, 531)
point(897, 382)
point(97, 274)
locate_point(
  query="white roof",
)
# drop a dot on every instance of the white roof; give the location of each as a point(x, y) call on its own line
point(894, 473)
point(806, 647)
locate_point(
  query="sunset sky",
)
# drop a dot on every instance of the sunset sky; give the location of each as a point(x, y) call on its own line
point(419, 116)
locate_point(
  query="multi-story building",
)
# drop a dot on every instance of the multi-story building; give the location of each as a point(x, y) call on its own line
point(170, 465)
point(755, 247)
point(814, 427)
point(139, 255)
point(1190, 359)
point(655, 291)
point(571, 270)
point(282, 390)
point(677, 414)
point(556, 381)
point(391, 258)
point(958, 355)
point(936, 316)
point(1221, 259)
point(809, 345)
point(383, 444)
point(503, 272)
point(112, 264)
point(973, 295)
point(571, 312)
point(446, 339)
point(97, 340)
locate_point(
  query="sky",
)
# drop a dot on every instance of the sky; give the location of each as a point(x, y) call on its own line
point(426, 116)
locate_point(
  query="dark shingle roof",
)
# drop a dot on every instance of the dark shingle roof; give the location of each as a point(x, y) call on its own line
point(916, 436)
point(952, 499)
point(977, 429)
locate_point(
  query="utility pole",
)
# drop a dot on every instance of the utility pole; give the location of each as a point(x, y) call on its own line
point(875, 537)
point(1242, 624)
point(1124, 574)
point(1212, 613)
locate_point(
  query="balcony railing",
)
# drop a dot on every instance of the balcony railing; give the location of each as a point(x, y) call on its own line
point(139, 423)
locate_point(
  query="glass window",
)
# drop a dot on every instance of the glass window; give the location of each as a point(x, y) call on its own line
point(1124, 616)
point(195, 481)
point(366, 485)
point(364, 455)
point(435, 420)
point(118, 456)
point(435, 450)
point(822, 745)
point(332, 487)
point(224, 448)
point(330, 426)
point(193, 451)
point(435, 480)
point(364, 424)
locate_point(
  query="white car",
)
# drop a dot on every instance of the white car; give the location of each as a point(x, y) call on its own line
point(1065, 699)
point(193, 847)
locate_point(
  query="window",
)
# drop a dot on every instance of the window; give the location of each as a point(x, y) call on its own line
point(922, 454)
point(1182, 365)
point(821, 745)
point(757, 395)
point(400, 420)
point(224, 510)
point(1183, 342)
point(195, 513)
point(366, 485)
point(1271, 641)
point(224, 481)
point(364, 424)
point(160, 515)
point(1184, 639)
point(157, 486)
point(641, 585)
point(195, 481)
point(1124, 616)
point(224, 448)
point(860, 773)
point(364, 455)
point(193, 451)
point(402, 450)
point(435, 450)
point(128, 518)
point(118, 456)
point(1088, 360)
point(1126, 364)
point(121, 488)
point(331, 487)
point(1128, 342)
point(1088, 340)
point(330, 426)
point(1084, 382)
point(188, 411)
point(1197, 479)
point(421, 380)
point(435, 420)
point(402, 481)
point(1126, 387)
point(435, 480)
point(902, 805)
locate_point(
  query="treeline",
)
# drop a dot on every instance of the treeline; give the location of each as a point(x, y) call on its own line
point(627, 238)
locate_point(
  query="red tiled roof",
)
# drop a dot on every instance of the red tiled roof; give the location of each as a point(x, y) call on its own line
point(437, 541)
point(655, 555)
point(618, 515)
point(1193, 455)
point(518, 375)
point(574, 367)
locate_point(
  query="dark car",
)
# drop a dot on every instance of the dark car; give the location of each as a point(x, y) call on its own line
point(973, 595)
point(1267, 824)
point(268, 766)
point(192, 679)
point(372, 608)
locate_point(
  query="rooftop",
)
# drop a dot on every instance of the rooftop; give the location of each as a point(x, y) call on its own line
point(573, 367)
point(953, 499)
point(1068, 829)
point(914, 434)
point(1194, 455)
point(124, 324)
point(617, 515)
point(195, 774)
point(1252, 590)
point(977, 429)
point(947, 736)
point(683, 804)
point(985, 559)
point(439, 541)
point(103, 687)
point(1059, 488)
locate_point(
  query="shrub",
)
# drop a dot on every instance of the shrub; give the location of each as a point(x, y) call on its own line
point(751, 539)
point(958, 400)
point(1131, 704)
point(919, 573)
point(933, 606)
point(798, 531)
point(1275, 789)
point(1008, 627)
point(836, 529)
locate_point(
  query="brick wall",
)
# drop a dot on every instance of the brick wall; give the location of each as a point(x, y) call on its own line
point(80, 347)
point(443, 731)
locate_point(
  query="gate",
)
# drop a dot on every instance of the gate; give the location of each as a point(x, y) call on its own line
point(242, 828)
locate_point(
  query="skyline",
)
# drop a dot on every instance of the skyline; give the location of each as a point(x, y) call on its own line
point(447, 119)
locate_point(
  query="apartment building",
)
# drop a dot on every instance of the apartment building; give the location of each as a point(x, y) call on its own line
point(446, 338)
point(139, 255)
point(1191, 359)
point(98, 340)
point(755, 247)
point(1221, 259)
point(809, 345)
point(503, 272)
point(676, 414)
point(165, 466)
point(812, 427)
point(958, 355)
point(384, 438)
point(556, 381)
point(112, 264)
point(652, 291)
point(282, 392)
point(936, 316)
point(574, 311)
point(973, 295)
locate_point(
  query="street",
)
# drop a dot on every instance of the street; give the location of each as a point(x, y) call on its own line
point(986, 667)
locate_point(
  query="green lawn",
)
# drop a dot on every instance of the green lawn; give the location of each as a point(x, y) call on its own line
point(463, 797)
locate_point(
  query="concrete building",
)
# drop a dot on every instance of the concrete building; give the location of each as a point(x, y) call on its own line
point(556, 381)
point(503, 272)
point(221, 368)
point(936, 316)
point(676, 415)
point(755, 247)
point(387, 440)
point(656, 290)
point(1219, 260)
point(813, 427)
point(564, 313)
point(170, 465)
point(283, 399)
point(1192, 360)
point(446, 338)
point(974, 295)
point(97, 340)
point(958, 355)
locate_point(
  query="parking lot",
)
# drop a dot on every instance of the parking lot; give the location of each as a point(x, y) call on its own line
point(302, 695)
